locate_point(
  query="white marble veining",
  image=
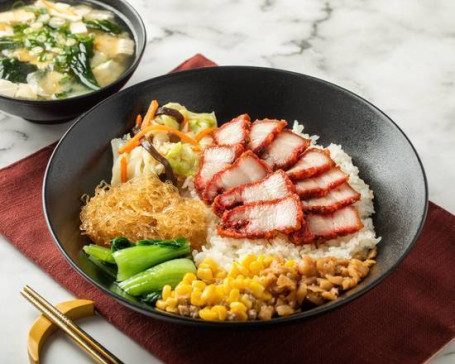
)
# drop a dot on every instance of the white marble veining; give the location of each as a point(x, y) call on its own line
point(399, 55)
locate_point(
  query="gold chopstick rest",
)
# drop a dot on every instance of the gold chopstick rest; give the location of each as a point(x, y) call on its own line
point(84, 340)
point(42, 328)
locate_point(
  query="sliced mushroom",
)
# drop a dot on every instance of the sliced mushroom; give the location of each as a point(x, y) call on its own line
point(147, 145)
point(177, 115)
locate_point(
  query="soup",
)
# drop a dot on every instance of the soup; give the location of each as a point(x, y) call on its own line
point(54, 51)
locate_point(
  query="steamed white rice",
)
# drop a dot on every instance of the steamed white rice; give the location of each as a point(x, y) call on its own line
point(227, 250)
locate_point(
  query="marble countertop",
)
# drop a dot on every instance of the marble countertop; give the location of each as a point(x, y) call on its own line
point(397, 54)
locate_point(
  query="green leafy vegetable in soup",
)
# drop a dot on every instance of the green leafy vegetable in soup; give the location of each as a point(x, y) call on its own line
point(14, 70)
point(51, 50)
point(79, 64)
point(104, 26)
point(8, 43)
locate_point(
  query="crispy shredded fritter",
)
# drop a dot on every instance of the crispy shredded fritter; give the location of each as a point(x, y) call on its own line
point(142, 208)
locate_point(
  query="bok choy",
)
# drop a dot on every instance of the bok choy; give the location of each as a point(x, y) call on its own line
point(99, 253)
point(155, 278)
point(146, 254)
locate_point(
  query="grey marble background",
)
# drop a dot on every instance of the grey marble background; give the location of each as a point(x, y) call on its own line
point(398, 54)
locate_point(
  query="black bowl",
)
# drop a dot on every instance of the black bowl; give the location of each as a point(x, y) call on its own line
point(55, 111)
point(386, 158)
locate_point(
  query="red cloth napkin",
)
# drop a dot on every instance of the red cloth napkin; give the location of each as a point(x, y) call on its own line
point(407, 318)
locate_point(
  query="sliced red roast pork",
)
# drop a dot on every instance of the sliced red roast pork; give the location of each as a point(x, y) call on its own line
point(246, 169)
point(263, 219)
point(274, 186)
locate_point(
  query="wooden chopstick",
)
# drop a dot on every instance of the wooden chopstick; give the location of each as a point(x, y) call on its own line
point(84, 340)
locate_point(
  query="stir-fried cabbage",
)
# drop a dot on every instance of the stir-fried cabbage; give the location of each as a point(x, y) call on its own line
point(196, 121)
point(139, 162)
point(201, 121)
point(181, 155)
point(169, 120)
point(182, 158)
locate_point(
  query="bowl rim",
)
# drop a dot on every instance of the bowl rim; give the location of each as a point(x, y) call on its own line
point(140, 48)
point(157, 314)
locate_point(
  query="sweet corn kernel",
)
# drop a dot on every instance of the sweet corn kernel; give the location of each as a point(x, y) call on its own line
point(220, 311)
point(209, 263)
point(243, 270)
point(239, 282)
point(219, 291)
point(205, 274)
point(227, 285)
point(234, 295)
point(171, 302)
point(234, 271)
point(237, 269)
point(167, 289)
point(290, 263)
point(257, 289)
point(266, 296)
point(172, 309)
point(207, 314)
point(240, 316)
point(256, 266)
point(268, 260)
point(237, 307)
point(209, 294)
point(183, 290)
point(247, 260)
point(199, 285)
point(189, 277)
point(196, 298)
point(220, 274)
point(161, 304)
point(246, 301)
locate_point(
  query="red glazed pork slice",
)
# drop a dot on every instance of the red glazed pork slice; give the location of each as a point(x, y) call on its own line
point(263, 219)
point(313, 162)
point(234, 132)
point(214, 159)
point(337, 198)
point(246, 169)
point(319, 228)
point(285, 150)
point(273, 187)
point(263, 132)
point(321, 184)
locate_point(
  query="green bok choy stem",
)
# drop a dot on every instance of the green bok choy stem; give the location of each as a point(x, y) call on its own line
point(146, 254)
point(100, 253)
point(155, 278)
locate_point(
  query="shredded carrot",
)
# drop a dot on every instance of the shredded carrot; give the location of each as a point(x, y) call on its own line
point(181, 135)
point(198, 137)
point(138, 120)
point(123, 170)
point(150, 114)
point(135, 141)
